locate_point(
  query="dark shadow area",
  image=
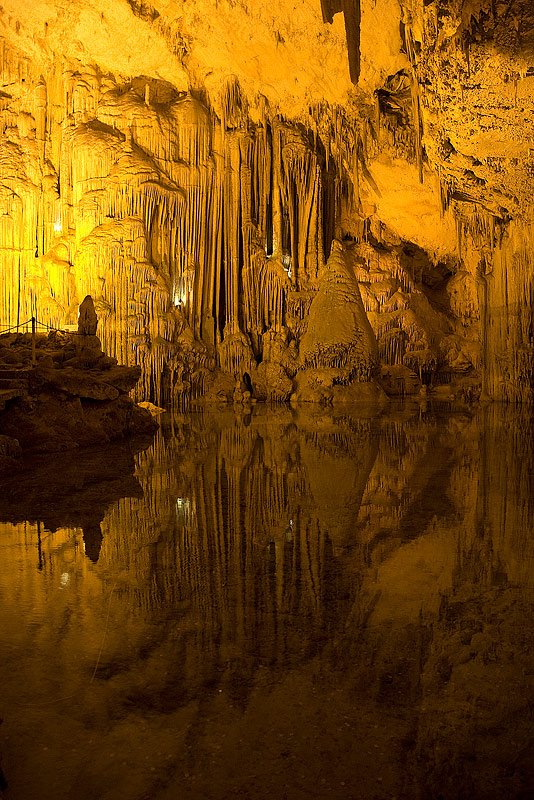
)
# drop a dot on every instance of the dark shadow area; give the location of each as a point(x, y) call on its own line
point(72, 489)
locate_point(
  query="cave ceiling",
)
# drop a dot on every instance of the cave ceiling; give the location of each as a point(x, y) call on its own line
point(470, 62)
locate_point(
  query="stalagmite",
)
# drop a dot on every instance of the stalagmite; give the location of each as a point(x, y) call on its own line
point(339, 335)
point(199, 214)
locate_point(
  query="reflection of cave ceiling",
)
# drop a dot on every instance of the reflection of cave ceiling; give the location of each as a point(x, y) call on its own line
point(190, 163)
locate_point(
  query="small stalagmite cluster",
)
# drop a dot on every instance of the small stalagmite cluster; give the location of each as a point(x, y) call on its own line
point(328, 238)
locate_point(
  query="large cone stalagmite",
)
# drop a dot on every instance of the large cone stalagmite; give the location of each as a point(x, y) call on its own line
point(339, 334)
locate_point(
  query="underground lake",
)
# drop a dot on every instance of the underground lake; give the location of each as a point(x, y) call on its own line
point(273, 603)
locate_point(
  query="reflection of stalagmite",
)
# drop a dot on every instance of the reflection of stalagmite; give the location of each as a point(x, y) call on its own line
point(336, 486)
point(248, 552)
point(239, 532)
point(92, 540)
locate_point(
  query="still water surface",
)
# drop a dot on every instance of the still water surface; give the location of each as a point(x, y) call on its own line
point(279, 605)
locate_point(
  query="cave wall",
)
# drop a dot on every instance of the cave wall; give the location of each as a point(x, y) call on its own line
point(198, 205)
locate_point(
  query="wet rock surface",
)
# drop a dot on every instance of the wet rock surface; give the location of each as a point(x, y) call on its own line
point(73, 396)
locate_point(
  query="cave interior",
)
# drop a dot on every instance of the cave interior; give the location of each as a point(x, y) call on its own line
point(320, 202)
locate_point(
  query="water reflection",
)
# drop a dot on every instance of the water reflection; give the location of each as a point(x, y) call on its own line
point(71, 490)
point(287, 605)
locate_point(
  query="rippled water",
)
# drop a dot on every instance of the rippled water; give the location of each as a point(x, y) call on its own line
point(276, 605)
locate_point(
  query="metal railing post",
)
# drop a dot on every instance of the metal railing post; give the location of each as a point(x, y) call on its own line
point(34, 325)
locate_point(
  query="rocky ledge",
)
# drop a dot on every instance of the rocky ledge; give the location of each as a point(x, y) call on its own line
point(60, 391)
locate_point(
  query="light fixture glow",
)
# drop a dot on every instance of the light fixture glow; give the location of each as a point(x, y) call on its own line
point(182, 505)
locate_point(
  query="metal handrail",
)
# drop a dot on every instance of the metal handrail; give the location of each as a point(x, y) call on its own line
point(35, 323)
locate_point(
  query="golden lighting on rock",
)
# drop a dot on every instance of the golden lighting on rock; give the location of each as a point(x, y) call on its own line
point(193, 182)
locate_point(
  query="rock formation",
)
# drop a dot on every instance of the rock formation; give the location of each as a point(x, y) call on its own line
point(87, 319)
point(73, 396)
point(189, 166)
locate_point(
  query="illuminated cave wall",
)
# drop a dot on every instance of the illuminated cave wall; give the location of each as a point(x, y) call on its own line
point(202, 221)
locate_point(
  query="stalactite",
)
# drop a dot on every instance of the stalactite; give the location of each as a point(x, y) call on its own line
point(233, 105)
point(392, 346)
point(201, 233)
point(509, 315)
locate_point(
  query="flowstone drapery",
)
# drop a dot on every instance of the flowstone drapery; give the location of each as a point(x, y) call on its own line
point(201, 221)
